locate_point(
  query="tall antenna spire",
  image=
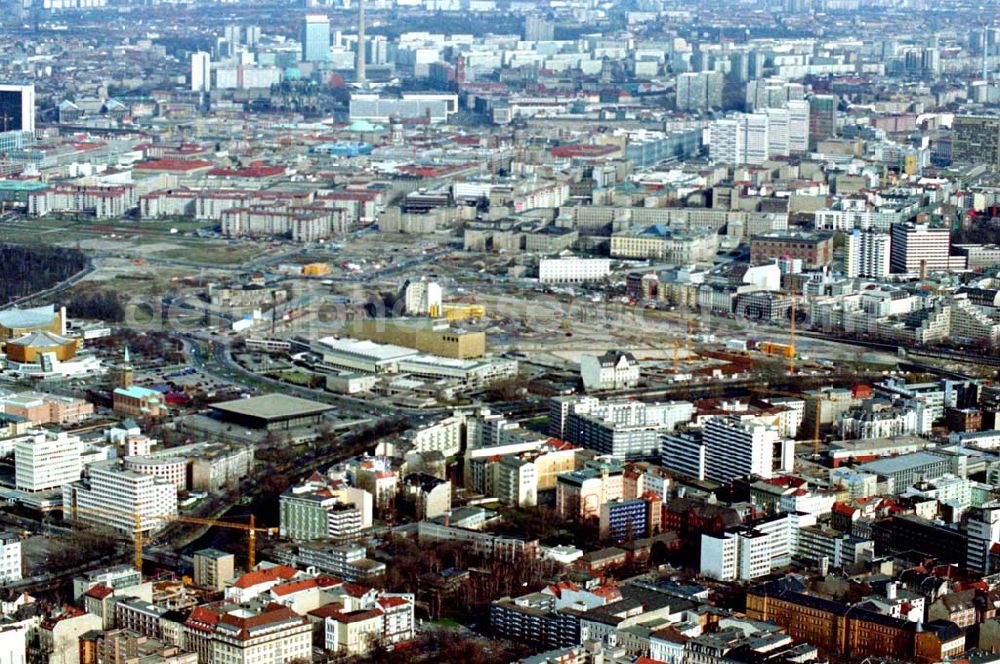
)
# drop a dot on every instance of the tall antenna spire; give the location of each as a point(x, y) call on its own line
point(359, 68)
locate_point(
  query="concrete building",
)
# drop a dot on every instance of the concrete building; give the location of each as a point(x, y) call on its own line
point(319, 509)
point(920, 249)
point(10, 557)
point(740, 445)
point(580, 493)
point(867, 254)
point(315, 38)
point(201, 72)
point(430, 496)
point(744, 139)
point(121, 499)
point(421, 298)
point(213, 568)
point(572, 270)
point(976, 140)
point(44, 461)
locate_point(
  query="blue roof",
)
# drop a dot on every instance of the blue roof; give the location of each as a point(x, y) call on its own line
point(656, 229)
point(137, 392)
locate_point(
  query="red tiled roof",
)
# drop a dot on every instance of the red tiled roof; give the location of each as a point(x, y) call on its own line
point(251, 172)
point(172, 165)
point(277, 573)
point(100, 591)
point(583, 150)
point(390, 602)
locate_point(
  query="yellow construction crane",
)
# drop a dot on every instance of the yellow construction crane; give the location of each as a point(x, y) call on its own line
point(138, 539)
point(791, 340)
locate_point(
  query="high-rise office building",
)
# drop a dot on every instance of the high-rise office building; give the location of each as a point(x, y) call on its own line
point(201, 72)
point(918, 248)
point(44, 461)
point(233, 34)
point(17, 108)
point(316, 38)
point(822, 117)
point(744, 139)
point(867, 254)
point(252, 35)
point(537, 28)
point(729, 447)
point(699, 91)
point(975, 140)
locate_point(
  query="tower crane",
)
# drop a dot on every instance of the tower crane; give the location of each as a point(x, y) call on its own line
point(138, 538)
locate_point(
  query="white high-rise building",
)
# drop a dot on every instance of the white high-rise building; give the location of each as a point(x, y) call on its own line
point(918, 247)
point(422, 298)
point(755, 138)
point(10, 557)
point(115, 497)
point(743, 139)
point(44, 461)
point(798, 125)
point(777, 132)
point(867, 254)
point(983, 529)
point(740, 445)
point(201, 72)
point(725, 142)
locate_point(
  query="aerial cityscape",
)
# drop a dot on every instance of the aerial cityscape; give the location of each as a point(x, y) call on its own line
point(499, 331)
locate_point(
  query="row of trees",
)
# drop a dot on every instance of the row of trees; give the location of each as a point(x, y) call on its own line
point(104, 305)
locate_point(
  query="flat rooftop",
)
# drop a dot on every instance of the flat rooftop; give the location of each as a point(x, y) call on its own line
point(272, 407)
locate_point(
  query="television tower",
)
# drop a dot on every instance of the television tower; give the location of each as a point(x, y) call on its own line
point(985, 54)
point(359, 67)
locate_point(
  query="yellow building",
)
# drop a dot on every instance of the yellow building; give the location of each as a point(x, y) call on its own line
point(457, 312)
point(27, 349)
point(436, 337)
point(16, 322)
point(316, 269)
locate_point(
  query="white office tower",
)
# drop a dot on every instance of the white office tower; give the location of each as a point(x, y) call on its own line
point(201, 72)
point(316, 38)
point(919, 249)
point(741, 445)
point(44, 461)
point(725, 142)
point(121, 499)
point(743, 139)
point(422, 298)
point(777, 132)
point(867, 254)
point(798, 125)
point(10, 557)
point(756, 138)
point(983, 529)
point(17, 108)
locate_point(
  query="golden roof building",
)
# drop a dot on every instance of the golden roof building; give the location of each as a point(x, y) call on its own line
point(27, 349)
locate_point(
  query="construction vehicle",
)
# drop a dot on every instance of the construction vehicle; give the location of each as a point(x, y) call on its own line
point(138, 538)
